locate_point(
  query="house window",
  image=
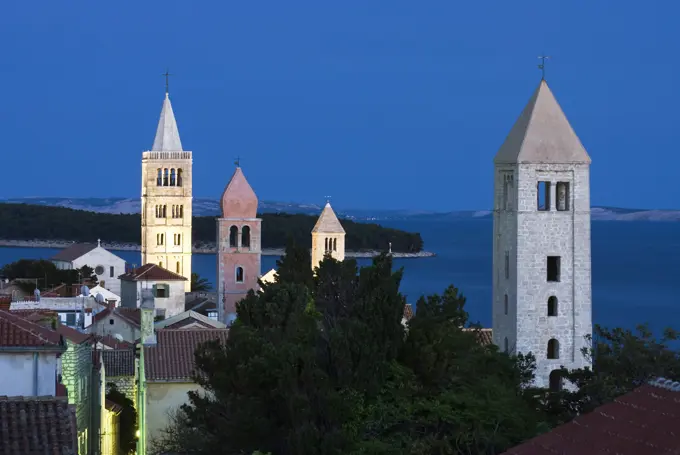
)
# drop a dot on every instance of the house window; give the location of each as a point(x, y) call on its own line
point(552, 306)
point(111, 272)
point(553, 268)
point(161, 291)
point(553, 349)
point(555, 381)
point(239, 274)
point(543, 196)
point(505, 304)
point(233, 237)
point(562, 190)
point(245, 236)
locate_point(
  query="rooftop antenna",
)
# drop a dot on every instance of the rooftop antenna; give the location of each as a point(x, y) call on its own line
point(541, 66)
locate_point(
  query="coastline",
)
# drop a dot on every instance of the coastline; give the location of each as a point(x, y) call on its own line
point(204, 248)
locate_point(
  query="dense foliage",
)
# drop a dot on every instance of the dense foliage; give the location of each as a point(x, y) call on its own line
point(322, 365)
point(44, 274)
point(127, 423)
point(28, 222)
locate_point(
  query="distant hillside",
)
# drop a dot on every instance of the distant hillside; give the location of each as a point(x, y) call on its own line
point(29, 222)
point(210, 207)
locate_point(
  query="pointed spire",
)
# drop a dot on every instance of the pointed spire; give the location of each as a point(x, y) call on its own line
point(239, 200)
point(167, 134)
point(328, 223)
point(542, 134)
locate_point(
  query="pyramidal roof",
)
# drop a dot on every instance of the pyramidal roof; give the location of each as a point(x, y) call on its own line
point(167, 134)
point(542, 134)
point(328, 223)
point(239, 200)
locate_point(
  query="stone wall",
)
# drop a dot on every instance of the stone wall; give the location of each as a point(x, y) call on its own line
point(124, 384)
point(77, 377)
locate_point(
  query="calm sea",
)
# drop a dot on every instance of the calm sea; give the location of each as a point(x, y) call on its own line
point(636, 268)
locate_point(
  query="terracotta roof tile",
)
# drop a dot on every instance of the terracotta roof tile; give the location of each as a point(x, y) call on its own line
point(642, 422)
point(119, 362)
point(73, 252)
point(114, 343)
point(172, 358)
point(484, 336)
point(73, 335)
point(37, 425)
point(151, 272)
point(408, 311)
point(17, 332)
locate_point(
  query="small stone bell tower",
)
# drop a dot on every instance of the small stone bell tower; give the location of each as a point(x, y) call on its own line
point(238, 245)
point(328, 236)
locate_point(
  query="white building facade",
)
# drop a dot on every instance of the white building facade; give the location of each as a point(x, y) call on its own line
point(168, 289)
point(541, 247)
point(106, 265)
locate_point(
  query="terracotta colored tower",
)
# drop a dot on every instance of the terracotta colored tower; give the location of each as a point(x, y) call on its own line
point(238, 245)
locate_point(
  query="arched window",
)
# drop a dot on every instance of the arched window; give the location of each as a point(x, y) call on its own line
point(505, 344)
point(233, 237)
point(181, 211)
point(173, 211)
point(552, 306)
point(239, 274)
point(179, 177)
point(553, 349)
point(335, 244)
point(165, 211)
point(172, 177)
point(165, 177)
point(325, 249)
point(159, 177)
point(245, 236)
point(505, 304)
point(555, 380)
point(178, 268)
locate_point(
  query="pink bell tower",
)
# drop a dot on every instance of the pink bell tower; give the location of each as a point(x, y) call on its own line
point(238, 245)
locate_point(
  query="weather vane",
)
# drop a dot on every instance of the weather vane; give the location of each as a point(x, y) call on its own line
point(167, 80)
point(542, 65)
point(237, 162)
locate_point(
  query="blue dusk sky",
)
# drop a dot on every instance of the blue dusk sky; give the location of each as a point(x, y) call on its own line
point(380, 104)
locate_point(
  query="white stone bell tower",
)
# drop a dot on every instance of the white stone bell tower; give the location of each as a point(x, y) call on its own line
point(166, 199)
point(541, 246)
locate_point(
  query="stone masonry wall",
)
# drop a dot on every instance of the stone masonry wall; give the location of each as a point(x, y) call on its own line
point(77, 377)
point(531, 236)
point(124, 384)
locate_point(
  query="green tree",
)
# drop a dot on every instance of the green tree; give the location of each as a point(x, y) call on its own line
point(199, 283)
point(295, 265)
point(127, 424)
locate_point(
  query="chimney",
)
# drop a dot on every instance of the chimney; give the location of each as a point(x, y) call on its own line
point(148, 310)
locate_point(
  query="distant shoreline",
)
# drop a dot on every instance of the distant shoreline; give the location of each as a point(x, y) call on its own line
point(198, 249)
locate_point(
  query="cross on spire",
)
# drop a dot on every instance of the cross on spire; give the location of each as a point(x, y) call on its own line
point(167, 80)
point(541, 66)
point(237, 161)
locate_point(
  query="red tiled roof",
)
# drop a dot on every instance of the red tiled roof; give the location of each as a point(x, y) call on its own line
point(17, 332)
point(642, 422)
point(484, 336)
point(151, 272)
point(408, 311)
point(72, 335)
point(131, 315)
point(172, 358)
point(37, 425)
point(114, 343)
point(119, 362)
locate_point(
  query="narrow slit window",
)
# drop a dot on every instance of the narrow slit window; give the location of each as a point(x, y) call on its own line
point(505, 304)
point(507, 265)
point(562, 190)
point(159, 177)
point(553, 268)
point(179, 177)
point(553, 349)
point(543, 196)
point(165, 177)
point(178, 268)
point(552, 306)
point(172, 177)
